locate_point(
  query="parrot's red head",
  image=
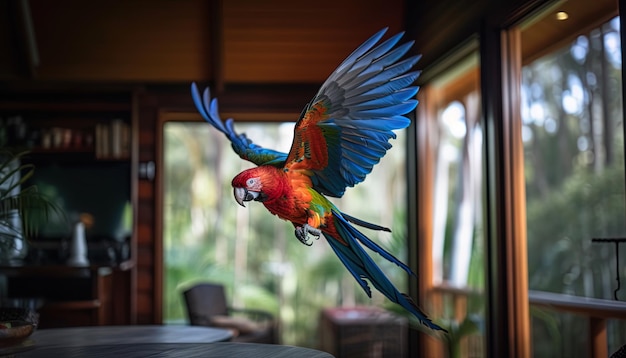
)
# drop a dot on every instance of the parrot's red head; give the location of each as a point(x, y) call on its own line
point(257, 184)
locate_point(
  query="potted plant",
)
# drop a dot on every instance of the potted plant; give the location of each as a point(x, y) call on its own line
point(22, 207)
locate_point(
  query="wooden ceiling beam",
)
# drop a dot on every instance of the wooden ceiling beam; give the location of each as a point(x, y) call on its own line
point(216, 29)
point(26, 37)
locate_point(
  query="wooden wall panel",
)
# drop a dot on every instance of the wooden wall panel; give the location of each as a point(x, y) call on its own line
point(8, 57)
point(284, 41)
point(145, 232)
point(147, 286)
point(118, 40)
point(145, 304)
point(144, 279)
point(151, 102)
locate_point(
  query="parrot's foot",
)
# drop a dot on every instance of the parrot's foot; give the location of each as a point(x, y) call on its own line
point(304, 233)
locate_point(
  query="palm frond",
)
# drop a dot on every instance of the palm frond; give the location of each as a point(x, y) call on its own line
point(22, 209)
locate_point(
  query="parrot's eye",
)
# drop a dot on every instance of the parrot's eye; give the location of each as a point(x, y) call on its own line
point(251, 181)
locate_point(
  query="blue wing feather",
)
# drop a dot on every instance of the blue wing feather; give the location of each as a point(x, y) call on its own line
point(243, 146)
point(363, 268)
point(384, 89)
point(382, 112)
point(396, 97)
point(382, 125)
point(366, 98)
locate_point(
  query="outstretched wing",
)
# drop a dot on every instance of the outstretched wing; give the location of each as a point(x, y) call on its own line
point(346, 128)
point(243, 146)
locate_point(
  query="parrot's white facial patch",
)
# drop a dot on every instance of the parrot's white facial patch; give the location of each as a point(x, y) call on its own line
point(254, 184)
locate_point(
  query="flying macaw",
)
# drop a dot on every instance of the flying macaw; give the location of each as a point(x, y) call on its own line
point(340, 135)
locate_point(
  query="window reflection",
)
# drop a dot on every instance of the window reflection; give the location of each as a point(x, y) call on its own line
point(573, 139)
point(457, 226)
point(457, 189)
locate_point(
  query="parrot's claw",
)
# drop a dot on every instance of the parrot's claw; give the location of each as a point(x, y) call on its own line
point(304, 233)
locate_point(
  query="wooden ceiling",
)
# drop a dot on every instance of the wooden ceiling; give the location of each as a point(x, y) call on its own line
point(299, 41)
point(245, 42)
point(234, 41)
point(543, 32)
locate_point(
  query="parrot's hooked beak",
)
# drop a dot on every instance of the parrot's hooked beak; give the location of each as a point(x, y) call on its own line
point(243, 194)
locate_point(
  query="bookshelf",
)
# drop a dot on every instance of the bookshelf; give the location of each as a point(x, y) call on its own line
point(81, 144)
point(42, 128)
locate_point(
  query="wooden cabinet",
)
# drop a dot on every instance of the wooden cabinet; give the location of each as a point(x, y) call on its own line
point(363, 332)
point(72, 296)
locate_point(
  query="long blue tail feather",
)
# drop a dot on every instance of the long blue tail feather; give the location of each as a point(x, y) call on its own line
point(362, 267)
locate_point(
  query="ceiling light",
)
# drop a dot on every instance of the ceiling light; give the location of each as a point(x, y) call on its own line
point(561, 15)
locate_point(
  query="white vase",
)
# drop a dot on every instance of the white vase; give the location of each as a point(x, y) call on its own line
point(13, 246)
point(78, 247)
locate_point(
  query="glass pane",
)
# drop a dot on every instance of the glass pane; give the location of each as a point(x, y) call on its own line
point(209, 237)
point(573, 139)
point(457, 237)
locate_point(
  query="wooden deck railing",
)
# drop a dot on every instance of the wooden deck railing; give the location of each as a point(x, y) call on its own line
point(597, 311)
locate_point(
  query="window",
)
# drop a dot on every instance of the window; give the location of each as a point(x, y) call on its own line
point(452, 194)
point(553, 178)
point(208, 237)
point(573, 135)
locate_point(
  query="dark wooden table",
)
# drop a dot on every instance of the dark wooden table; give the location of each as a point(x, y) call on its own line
point(149, 341)
point(105, 335)
point(82, 338)
point(176, 350)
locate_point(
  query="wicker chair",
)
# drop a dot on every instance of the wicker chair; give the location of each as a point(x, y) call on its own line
point(206, 306)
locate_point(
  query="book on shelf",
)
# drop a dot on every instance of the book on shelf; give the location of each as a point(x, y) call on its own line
point(112, 140)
